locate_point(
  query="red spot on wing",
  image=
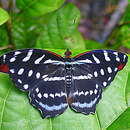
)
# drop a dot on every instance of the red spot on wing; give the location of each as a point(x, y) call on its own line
point(121, 66)
point(4, 68)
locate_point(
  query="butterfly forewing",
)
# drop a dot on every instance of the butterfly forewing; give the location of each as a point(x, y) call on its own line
point(29, 66)
point(102, 64)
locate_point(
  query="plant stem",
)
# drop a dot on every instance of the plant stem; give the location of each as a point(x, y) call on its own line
point(125, 23)
point(9, 33)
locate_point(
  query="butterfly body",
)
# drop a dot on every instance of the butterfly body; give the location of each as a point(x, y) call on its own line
point(56, 82)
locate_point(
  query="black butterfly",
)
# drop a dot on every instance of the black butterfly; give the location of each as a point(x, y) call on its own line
point(54, 82)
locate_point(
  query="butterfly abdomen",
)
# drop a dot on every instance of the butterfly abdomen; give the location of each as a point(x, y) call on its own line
point(68, 77)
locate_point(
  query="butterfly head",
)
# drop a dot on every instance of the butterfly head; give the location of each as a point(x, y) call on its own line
point(67, 53)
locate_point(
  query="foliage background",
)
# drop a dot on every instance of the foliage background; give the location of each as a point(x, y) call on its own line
point(54, 26)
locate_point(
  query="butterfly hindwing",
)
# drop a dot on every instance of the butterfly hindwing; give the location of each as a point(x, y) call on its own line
point(49, 95)
point(85, 100)
point(27, 67)
point(86, 92)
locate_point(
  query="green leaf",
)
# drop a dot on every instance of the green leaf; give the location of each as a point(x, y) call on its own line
point(125, 31)
point(122, 123)
point(16, 112)
point(38, 7)
point(3, 16)
point(90, 44)
point(25, 32)
point(61, 31)
point(54, 30)
point(3, 36)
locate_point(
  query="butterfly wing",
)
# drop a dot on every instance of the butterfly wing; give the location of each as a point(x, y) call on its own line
point(27, 67)
point(42, 74)
point(93, 71)
point(49, 95)
point(86, 93)
point(102, 64)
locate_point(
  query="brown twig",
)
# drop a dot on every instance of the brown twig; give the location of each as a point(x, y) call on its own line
point(6, 47)
point(123, 24)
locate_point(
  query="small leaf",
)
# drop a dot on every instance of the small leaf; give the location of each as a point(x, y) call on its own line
point(3, 16)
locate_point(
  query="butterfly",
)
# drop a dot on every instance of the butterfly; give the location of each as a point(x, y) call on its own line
point(55, 82)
